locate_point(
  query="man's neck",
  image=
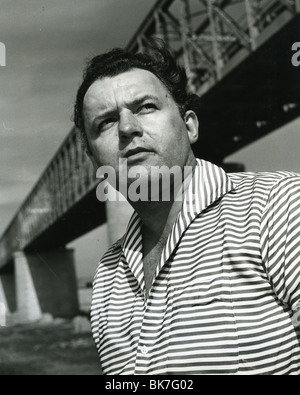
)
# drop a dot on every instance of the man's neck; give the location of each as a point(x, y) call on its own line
point(158, 217)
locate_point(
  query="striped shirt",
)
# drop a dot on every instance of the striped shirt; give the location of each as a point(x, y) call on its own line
point(225, 290)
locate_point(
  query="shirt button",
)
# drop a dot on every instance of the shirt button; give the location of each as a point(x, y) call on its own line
point(144, 350)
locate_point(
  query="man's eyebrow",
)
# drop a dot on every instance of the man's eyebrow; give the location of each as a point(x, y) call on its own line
point(104, 115)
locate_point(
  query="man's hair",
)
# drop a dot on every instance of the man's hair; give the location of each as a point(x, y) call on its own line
point(158, 60)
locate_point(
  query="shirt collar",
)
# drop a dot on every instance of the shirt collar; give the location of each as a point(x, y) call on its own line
point(208, 184)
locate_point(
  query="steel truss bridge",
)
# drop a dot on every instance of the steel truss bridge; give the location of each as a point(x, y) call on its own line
point(238, 58)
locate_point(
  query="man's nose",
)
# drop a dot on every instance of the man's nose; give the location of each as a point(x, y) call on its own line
point(129, 126)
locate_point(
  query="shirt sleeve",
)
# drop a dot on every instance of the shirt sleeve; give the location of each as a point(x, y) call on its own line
point(280, 238)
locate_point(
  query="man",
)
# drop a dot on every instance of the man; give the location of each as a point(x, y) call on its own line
point(207, 284)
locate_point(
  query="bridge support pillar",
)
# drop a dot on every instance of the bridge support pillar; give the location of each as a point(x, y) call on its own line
point(7, 297)
point(28, 307)
point(4, 310)
point(45, 283)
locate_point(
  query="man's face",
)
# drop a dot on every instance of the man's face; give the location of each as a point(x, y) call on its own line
point(132, 116)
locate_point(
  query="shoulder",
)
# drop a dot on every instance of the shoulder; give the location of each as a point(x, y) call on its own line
point(263, 180)
point(265, 188)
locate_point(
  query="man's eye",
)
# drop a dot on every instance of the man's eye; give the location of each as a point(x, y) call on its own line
point(106, 123)
point(147, 108)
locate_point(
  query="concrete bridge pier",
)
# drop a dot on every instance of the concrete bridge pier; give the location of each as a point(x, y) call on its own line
point(43, 282)
point(7, 300)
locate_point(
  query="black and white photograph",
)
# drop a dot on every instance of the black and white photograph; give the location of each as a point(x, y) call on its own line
point(149, 190)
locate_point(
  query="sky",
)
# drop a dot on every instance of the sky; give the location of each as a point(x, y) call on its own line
point(47, 43)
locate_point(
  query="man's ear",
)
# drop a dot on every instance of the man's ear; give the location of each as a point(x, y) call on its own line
point(192, 125)
point(86, 147)
point(88, 151)
point(91, 157)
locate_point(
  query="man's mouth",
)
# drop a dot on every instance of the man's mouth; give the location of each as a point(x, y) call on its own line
point(136, 152)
